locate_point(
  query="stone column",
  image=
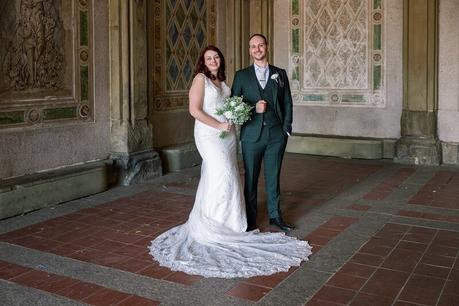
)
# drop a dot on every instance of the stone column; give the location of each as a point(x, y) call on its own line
point(244, 18)
point(419, 143)
point(131, 132)
point(262, 21)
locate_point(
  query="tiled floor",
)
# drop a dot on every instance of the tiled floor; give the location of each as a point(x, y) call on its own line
point(383, 234)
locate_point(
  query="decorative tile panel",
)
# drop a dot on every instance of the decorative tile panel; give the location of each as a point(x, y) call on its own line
point(337, 52)
point(46, 55)
point(181, 29)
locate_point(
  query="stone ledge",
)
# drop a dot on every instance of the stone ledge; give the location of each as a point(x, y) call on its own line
point(341, 147)
point(32, 192)
point(180, 157)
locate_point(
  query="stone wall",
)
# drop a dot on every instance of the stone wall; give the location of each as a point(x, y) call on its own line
point(46, 125)
point(448, 80)
point(346, 77)
point(177, 32)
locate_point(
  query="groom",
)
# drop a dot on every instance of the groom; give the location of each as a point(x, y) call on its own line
point(264, 137)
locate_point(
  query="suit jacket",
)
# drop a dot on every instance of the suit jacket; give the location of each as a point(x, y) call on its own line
point(246, 84)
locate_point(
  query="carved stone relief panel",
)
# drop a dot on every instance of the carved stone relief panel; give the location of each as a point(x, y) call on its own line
point(337, 52)
point(179, 30)
point(45, 62)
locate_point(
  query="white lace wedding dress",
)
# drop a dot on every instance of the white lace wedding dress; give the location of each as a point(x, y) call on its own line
point(213, 242)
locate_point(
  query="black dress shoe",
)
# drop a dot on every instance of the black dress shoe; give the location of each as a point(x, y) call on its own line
point(251, 228)
point(281, 224)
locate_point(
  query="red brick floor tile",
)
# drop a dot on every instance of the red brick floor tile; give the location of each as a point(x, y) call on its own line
point(339, 223)
point(412, 246)
point(454, 275)
point(448, 239)
point(4, 264)
point(451, 287)
point(130, 251)
point(438, 260)
point(55, 283)
point(80, 291)
point(316, 302)
point(109, 259)
point(146, 242)
point(448, 300)
point(108, 245)
point(138, 301)
point(433, 271)
point(378, 246)
point(402, 260)
point(358, 270)
point(32, 278)
point(437, 249)
point(315, 247)
point(317, 240)
point(335, 294)
point(386, 283)
point(410, 213)
point(418, 237)
point(270, 281)
point(423, 230)
point(132, 265)
point(66, 249)
point(71, 236)
point(364, 299)
point(89, 255)
point(13, 270)
point(248, 292)
point(346, 281)
point(403, 303)
point(367, 259)
point(155, 271)
point(106, 297)
point(326, 232)
point(422, 290)
point(183, 278)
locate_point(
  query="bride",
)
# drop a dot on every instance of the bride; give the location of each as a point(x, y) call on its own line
point(214, 242)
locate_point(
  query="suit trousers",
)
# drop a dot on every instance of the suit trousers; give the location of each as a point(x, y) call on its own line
point(269, 149)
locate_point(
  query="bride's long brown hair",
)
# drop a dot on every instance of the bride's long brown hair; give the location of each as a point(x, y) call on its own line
point(202, 68)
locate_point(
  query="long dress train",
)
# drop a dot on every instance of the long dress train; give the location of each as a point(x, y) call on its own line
point(213, 242)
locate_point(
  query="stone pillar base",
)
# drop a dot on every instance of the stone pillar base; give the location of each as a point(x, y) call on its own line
point(418, 151)
point(137, 167)
point(450, 152)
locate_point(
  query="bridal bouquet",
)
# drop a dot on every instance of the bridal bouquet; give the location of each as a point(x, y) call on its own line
point(235, 110)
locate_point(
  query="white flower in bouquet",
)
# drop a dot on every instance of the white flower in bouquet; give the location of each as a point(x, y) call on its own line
point(235, 110)
point(228, 115)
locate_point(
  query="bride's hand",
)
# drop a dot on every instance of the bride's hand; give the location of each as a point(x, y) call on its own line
point(225, 126)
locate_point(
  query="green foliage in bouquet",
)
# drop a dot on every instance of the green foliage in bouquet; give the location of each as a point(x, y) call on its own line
point(235, 110)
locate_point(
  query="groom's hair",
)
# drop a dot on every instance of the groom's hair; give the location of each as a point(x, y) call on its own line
point(259, 35)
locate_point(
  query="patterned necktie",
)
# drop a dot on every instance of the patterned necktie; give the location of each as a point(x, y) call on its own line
point(262, 80)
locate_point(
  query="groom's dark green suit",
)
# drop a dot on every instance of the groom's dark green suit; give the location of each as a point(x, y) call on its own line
point(264, 137)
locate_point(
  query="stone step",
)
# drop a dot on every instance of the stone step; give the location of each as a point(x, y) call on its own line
point(178, 157)
point(341, 147)
point(32, 192)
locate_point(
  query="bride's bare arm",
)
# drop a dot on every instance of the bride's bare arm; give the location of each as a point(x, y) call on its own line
point(196, 97)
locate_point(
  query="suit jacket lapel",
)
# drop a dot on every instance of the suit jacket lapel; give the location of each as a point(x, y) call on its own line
point(275, 83)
